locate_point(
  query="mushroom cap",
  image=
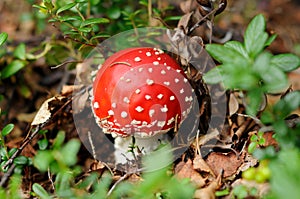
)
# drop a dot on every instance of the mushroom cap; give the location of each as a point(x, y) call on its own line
point(140, 91)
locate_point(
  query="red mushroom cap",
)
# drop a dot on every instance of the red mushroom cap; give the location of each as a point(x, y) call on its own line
point(140, 91)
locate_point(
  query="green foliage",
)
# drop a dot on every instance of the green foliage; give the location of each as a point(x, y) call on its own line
point(285, 176)
point(13, 190)
point(249, 67)
point(155, 183)
point(256, 140)
point(241, 192)
point(20, 162)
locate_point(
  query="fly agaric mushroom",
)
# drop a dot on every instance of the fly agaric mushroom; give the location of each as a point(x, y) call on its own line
point(140, 92)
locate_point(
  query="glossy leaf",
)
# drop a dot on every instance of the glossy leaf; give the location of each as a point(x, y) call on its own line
point(40, 191)
point(7, 129)
point(12, 68)
point(65, 7)
point(21, 160)
point(94, 21)
point(3, 38)
point(20, 51)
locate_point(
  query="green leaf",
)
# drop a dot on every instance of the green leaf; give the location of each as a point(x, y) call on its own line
point(286, 105)
point(255, 36)
point(213, 76)
point(42, 160)
point(12, 68)
point(43, 144)
point(252, 146)
point(261, 64)
point(65, 7)
point(20, 52)
point(114, 12)
point(69, 152)
point(40, 191)
point(69, 18)
point(275, 80)
point(172, 18)
point(94, 21)
point(286, 62)
point(3, 38)
point(12, 151)
point(7, 129)
point(285, 178)
point(100, 35)
point(21, 160)
point(237, 46)
point(270, 40)
point(59, 140)
point(85, 29)
point(41, 8)
point(226, 55)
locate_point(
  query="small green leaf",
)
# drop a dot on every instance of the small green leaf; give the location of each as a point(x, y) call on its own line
point(275, 80)
point(40, 191)
point(238, 46)
point(21, 160)
point(213, 76)
point(20, 52)
point(100, 35)
point(59, 140)
point(226, 55)
point(172, 18)
point(286, 105)
point(42, 160)
point(270, 40)
point(114, 12)
point(252, 146)
point(286, 62)
point(69, 152)
point(43, 144)
point(65, 7)
point(85, 29)
point(12, 151)
point(7, 129)
point(12, 68)
point(69, 18)
point(255, 36)
point(41, 8)
point(261, 64)
point(94, 21)
point(3, 38)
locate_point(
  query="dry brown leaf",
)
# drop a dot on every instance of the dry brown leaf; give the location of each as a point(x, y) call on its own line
point(233, 104)
point(207, 192)
point(229, 163)
point(44, 113)
point(186, 170)
point(201, 165)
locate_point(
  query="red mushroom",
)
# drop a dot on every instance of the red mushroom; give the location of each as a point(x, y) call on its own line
point(141, 92)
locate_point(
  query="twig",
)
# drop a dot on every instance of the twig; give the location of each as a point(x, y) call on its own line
point(6, 176)
point(116, 183)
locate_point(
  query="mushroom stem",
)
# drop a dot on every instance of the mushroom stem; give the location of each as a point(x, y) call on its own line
point(143, 145)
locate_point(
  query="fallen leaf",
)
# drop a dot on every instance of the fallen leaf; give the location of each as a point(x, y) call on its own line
point(201, 165)
point(44, 113)
point(229, 163)
point(186, 170)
